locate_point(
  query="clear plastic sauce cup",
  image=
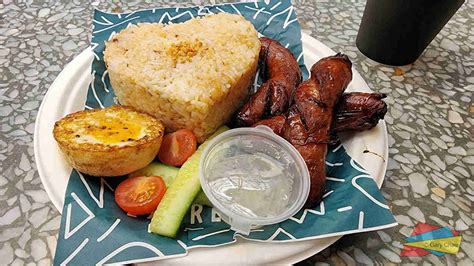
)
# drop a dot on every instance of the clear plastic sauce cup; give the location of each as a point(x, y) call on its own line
point(253, 177)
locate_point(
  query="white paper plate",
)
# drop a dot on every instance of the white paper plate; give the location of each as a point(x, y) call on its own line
point(68, 93)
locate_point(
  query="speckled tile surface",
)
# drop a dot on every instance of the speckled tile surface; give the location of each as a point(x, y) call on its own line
point(429, 177)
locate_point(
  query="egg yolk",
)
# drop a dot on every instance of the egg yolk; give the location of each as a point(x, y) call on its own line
point(113, 129)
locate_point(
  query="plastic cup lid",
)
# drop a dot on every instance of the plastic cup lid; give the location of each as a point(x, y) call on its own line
point(253, 177)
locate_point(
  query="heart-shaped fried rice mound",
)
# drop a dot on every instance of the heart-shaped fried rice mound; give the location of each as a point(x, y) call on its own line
point(188, 75)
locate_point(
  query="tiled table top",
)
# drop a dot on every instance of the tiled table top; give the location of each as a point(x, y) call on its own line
point(429, 123)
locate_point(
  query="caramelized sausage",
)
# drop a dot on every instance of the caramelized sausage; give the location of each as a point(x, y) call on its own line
point(359, 111)
point(306, 116)
point(310, 117)
point(355, 111)
point(281, 75)
point(308, 121)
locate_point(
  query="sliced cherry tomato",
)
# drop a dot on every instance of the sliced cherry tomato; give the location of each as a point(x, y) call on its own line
point(177, 147)
point(140, 195)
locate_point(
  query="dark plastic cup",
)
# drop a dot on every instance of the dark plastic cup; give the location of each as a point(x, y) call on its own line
point(395, 32)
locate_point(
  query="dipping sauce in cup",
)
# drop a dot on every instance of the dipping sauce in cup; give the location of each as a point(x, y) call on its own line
point(253, 177)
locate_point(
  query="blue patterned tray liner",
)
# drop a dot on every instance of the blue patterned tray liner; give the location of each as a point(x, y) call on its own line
point(95, 231)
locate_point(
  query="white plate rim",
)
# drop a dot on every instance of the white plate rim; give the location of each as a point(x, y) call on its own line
point(53, 169)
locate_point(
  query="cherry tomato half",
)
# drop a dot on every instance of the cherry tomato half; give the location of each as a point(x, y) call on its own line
point(140, 195)
point(177, 147)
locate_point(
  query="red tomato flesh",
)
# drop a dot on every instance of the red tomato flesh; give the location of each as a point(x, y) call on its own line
point(140, 195)
point(177, 147)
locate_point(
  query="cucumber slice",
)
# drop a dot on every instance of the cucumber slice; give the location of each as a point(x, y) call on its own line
point(180, 195)
point(168, 173)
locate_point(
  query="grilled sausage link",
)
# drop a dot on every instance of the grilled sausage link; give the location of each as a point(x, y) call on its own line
point(355, 111)
point(281, 75)
point(359, 111)
point(308, 122)
point(310, 117)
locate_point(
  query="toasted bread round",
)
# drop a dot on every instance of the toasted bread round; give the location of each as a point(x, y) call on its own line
point(113, 141)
